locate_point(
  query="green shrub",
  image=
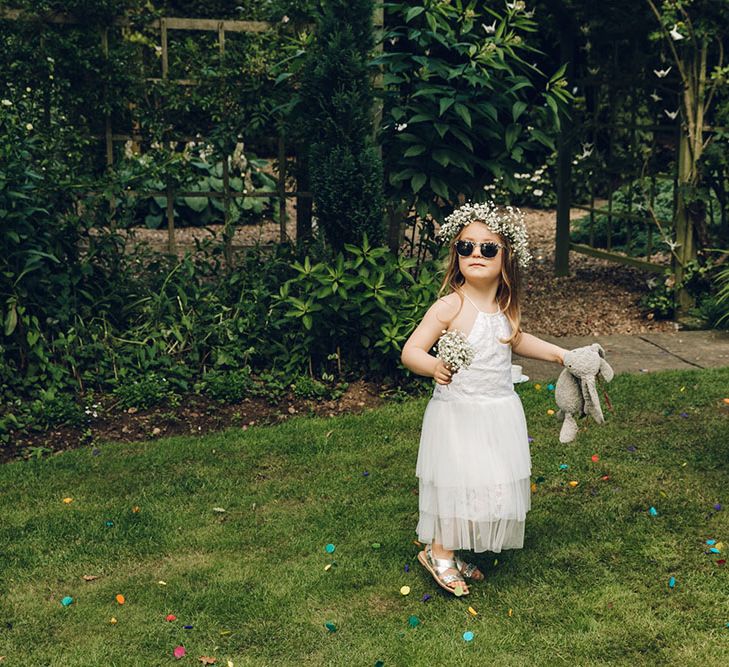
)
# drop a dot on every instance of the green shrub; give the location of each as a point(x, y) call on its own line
point(334, 104)
point(144, 392)
point(228, 386)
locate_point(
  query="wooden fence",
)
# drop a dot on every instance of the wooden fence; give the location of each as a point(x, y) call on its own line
point(221, 27)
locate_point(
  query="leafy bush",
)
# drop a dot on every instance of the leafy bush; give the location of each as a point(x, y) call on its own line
point(144, 392)
point(228, 386)
point(335, 103)
point(463, 106)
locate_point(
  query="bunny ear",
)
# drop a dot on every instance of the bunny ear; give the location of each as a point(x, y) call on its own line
point(599, 349)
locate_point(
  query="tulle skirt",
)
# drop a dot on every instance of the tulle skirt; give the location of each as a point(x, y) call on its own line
point(474, 471)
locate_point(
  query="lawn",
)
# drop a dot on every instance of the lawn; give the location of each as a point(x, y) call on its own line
point(590, 587)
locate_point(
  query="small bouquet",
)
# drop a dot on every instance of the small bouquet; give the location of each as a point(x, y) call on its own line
point(454, 350)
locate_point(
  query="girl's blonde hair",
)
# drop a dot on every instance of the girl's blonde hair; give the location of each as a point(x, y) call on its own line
point(507, 294)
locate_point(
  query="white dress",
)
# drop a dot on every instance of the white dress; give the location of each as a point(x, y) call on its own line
point(473, 464)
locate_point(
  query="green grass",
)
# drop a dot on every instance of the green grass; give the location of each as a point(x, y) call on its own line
point(590, 586)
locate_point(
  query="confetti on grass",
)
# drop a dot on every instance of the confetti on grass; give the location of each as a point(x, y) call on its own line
point(468, 636)
point(67, 601)
point(179, 652)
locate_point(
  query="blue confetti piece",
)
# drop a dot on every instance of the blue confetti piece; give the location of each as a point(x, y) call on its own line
point(714, 550)
point(67, 601)
point(631, 448)
point(365, 473)
point(468, 636)
point(684, 414)
point(710, 542)
point(563, 466)
point(717, 507)
point(187, 627)
point(330, 548)
point(550, 387)
point(426, 597)
point(530, 439)
point(671, 582)
point(653, 511)
point(407, 568)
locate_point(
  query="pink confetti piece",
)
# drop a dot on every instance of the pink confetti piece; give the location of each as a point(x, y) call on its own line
point(179, 652)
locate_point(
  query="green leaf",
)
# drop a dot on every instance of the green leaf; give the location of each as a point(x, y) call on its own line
point(414, 150)
point(441, 157)
point(518, 109)
point(197, 204)
point(512, 133)
point(445, 104)
point(11, 321)
point(464, 113)
point(439, 187)
point(413, 12)
point(418, 181)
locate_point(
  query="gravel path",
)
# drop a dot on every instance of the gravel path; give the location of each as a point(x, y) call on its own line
point(597, 298)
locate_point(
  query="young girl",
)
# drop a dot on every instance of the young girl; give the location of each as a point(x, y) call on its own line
point(474, 464)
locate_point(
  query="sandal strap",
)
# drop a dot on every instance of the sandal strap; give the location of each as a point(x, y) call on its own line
point(441, 565)
point(467, 569)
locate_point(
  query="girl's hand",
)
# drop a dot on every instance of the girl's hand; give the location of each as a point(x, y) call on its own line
point(442, 374)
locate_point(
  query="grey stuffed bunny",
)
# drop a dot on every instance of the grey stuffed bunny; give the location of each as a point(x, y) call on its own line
point(576, 390)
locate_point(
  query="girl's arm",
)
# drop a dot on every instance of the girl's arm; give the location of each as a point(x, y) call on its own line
point(536, 348)
point(415, 353)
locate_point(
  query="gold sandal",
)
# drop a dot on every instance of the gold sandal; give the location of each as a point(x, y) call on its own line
point(469, 569)
point(438, 566)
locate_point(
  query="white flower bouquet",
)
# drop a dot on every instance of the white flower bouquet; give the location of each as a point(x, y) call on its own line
point(454, 350)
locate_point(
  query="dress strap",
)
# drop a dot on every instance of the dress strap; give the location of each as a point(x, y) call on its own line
point(478, 309)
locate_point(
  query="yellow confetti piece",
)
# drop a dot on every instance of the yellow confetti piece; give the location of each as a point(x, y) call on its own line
point(574, 483)
point(682, 389)
point(472, 611)
point(405, 590)
point(120, 599)
point(496, 561)
point(416, 543)
point(458, 590)
point(726, 401)
point(511, 612)
point(550, 411)
point(534, 487)
point(112, 621)
point(327, 567)
point(684, 464)
point(68, 500)
point(162, 583)
point(719, 545)
point(537, 386)
point(135, 509)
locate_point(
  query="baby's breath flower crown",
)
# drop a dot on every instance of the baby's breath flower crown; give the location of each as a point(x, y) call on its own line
point(508, 222)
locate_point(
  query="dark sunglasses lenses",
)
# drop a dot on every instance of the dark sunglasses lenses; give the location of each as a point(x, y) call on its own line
point(465, 248)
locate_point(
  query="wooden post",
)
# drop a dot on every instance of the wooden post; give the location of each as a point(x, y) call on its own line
point(165, 55)
point(282, 189)
point(107, 131)
point(227, 226)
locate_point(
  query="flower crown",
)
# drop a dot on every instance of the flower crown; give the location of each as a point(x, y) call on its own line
point(509, 222)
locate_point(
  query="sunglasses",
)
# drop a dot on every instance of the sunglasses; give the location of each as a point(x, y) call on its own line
point(488, 249)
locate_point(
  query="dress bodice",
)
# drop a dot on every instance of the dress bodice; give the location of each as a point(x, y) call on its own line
point(489, 374)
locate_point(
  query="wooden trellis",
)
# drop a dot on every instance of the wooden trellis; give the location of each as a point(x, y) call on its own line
point(164, 25)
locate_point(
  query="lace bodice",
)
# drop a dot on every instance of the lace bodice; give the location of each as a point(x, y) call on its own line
point(489, 374)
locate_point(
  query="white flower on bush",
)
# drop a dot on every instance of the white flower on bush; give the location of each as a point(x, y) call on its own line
point(401, 126)
point(538, 193)
point(29, 126)
point(6, 103)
